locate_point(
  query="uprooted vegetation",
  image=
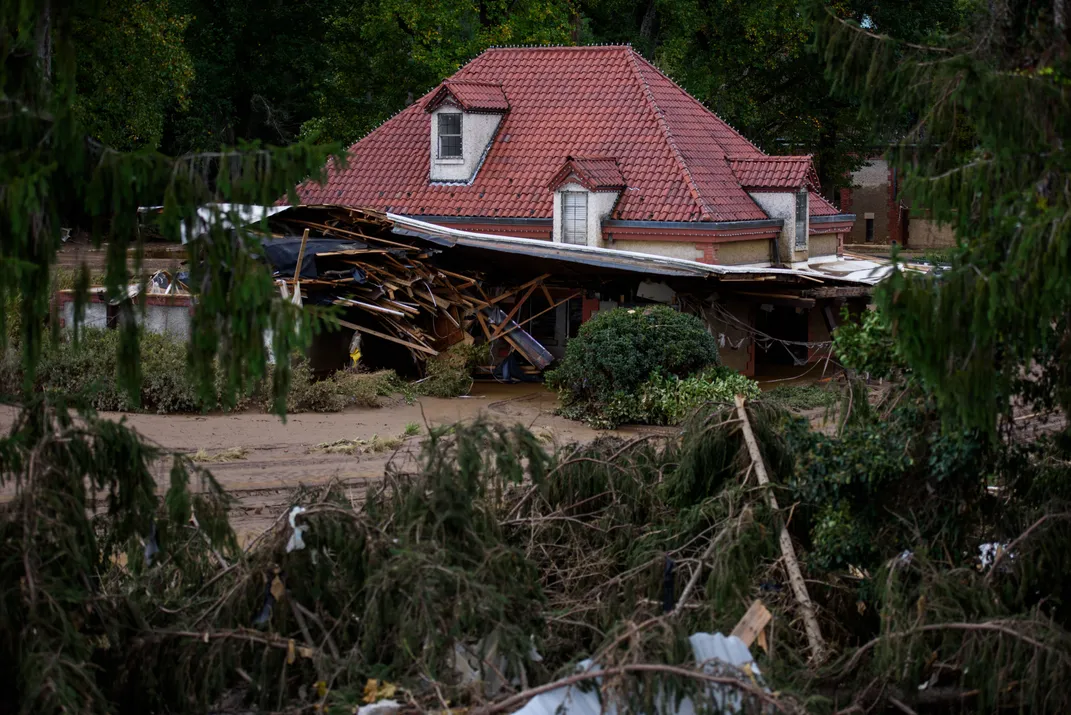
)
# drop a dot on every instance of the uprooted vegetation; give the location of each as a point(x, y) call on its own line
point(493, 548)
point(651, 365)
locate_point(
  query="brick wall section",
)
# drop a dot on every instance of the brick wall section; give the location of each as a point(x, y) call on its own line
point(710, 252)
point(846, 201)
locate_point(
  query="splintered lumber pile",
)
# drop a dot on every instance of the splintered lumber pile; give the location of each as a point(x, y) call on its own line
point(389, 289)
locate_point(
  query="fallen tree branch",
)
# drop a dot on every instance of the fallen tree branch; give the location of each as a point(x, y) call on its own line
point(745, 516)
point(991, 626)
point(792, 566)
point(1019, 540)
point(526, 695)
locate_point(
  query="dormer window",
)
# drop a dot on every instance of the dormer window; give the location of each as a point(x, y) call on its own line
point(575, 217)
point(586, 189)
point(450, 135)
point(465, 117)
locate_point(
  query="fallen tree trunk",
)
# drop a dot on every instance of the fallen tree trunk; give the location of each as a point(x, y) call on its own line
point(792, 566)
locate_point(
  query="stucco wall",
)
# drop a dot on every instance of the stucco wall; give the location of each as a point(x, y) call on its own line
point(477, 130)
point(741, 252)
point(96, 315)
point(924, 233)
point(600, 203)
point(163, 319)
point(873, 173)
point(782, 205)
point(173, 320)
point(823, 245)
point(672, 249)
point(818, 332)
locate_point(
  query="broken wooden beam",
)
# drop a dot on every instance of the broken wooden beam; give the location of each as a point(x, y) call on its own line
point(788, 551)
point(362, 329)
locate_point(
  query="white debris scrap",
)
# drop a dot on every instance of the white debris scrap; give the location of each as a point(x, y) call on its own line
point(715, 653)
point(296, 542)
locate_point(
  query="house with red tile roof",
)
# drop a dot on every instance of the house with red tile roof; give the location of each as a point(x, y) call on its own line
point(589, 145)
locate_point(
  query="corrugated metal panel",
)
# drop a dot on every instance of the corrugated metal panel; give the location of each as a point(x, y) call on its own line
point(715, 653)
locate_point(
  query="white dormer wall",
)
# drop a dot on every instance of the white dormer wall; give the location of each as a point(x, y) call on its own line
point(477, 131)
point(782, 205)
point(600, 204)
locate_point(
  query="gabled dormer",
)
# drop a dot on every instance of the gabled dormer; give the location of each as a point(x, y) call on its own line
point(781, 185)
point(585, 191)
point(465, 116)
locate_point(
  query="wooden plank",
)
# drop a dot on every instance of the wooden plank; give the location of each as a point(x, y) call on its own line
point(362, 329)
point(838, 292)
point(753, 623)
point(483, 324)
point(788, 551)
point(546, 293)
point(301, 255)
point(518, 289)
point(357, 234)
point(513, 312)
point(528, 320)
point(368, 306)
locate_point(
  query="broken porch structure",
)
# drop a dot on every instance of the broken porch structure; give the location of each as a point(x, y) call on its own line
point(413, 289)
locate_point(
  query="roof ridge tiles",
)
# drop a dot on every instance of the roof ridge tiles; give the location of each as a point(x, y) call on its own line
point(706, 212)
point(687, 94)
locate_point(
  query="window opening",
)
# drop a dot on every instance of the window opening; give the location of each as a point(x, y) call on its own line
point(574, 217)
point(450, 136)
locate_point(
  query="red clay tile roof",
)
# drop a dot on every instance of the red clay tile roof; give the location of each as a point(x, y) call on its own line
point(594, 173)
point(819, 206)
point(472, 96)
point(563, 101)
point(772, 172)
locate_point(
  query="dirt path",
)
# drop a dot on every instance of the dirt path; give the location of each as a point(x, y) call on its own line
point(280, 457)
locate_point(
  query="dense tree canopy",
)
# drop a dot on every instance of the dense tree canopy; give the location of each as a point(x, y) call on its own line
point(191, 75)
point(133, 68)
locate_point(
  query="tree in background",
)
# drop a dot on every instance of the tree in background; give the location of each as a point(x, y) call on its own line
point(753, 63)
point(988, 154)
point(257, 66)
point(385, 53)
point(133, 68)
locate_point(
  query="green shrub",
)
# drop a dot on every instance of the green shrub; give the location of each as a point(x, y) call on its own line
point(450, 373)
point(87, 370)
point(619, 350)
point(802, 397)
point(669, 400)
point(866, 345)
point(345, 388)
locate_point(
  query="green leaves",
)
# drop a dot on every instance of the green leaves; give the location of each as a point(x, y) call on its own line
point(617, 351)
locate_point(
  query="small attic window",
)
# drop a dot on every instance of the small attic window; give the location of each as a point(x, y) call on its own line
point(575, 217)
point(450, 135)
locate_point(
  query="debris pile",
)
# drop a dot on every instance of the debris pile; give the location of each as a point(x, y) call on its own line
point(387, 289)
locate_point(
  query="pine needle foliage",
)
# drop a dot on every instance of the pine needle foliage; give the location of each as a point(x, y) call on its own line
point(84, 491)
point(988, 154)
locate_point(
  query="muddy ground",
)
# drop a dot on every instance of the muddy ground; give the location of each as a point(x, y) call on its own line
point(280, 456)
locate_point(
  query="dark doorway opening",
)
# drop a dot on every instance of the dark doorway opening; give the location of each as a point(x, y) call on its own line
point(781, 323)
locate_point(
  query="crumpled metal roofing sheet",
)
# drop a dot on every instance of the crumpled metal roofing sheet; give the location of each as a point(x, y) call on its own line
point(715, 653)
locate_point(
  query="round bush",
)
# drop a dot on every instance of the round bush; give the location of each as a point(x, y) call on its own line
point(618, 350)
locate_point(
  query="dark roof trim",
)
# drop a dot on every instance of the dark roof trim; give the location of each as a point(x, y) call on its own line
point(701, 225)
point(499, 220)
point(835, 218)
